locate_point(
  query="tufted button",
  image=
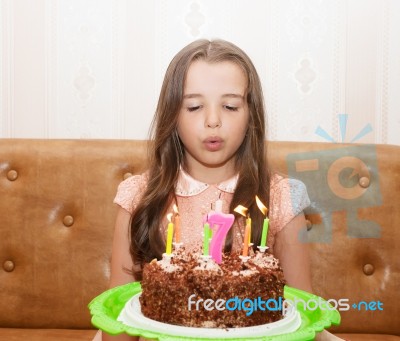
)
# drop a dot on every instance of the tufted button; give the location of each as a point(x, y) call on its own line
point(364, 182)
point(68, 220)
point(8, 265)
point(309, 225)
point(12, 175)
point(368, 269)
point(127, 175)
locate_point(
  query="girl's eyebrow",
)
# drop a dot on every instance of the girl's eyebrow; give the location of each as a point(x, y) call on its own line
point(192, 95)
point(225, 95)
point(234, 96)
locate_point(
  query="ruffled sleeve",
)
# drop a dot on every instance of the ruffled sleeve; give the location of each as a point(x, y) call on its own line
point(130, 191)
point(288, 198)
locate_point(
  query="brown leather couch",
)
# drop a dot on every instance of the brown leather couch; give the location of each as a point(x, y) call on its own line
point(57, 218)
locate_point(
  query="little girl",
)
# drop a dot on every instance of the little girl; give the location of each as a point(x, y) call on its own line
point(208, 145)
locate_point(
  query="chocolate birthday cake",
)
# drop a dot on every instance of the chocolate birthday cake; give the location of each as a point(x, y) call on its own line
point(193, 290)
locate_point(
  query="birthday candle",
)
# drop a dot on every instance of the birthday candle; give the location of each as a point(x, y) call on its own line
point(177, 223)
point(264, 232)
point(264, 211)
point(246, 238)
point(218, 205)
point(248, 222)
point(206, 239)
point(170, 233)
point(220, 224)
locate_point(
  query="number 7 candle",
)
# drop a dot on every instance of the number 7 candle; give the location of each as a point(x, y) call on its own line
point(220, 223)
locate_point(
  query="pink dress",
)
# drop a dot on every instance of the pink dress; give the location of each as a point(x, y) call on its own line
point(288, 198)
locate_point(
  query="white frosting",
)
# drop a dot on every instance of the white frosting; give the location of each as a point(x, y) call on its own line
point(207, 264)
point(209, 324)
point(245, 273)
point(167, 266)
point(248, 272)
point(266, 261)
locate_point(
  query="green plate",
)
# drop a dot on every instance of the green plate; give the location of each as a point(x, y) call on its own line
point(106, 308)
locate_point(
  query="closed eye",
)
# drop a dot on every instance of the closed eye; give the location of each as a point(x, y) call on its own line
point(230, 108)
point(193, 108)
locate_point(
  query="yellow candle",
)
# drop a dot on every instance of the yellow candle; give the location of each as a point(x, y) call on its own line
point(170, 233)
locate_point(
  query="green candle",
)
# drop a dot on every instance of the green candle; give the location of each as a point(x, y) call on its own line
point(264, 232)
point(206, 239)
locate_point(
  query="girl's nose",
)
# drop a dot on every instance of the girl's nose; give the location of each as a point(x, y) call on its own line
point(213, 119)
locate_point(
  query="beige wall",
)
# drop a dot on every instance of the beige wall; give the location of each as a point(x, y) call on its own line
point(93, 68)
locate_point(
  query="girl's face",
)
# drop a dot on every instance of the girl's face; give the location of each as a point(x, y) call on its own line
point(214, 116)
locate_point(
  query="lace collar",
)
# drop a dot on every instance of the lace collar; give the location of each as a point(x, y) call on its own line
point(188, 186)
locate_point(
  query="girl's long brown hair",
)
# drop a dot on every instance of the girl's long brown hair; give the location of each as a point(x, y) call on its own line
point(167, 153)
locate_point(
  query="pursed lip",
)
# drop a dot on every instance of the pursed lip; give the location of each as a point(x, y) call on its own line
point(213, 143)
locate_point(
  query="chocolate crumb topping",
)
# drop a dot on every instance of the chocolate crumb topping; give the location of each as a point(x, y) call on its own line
point(167, 286)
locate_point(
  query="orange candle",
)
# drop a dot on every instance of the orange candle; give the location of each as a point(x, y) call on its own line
point(246, 238)
point(247, 232)
point(248, 222)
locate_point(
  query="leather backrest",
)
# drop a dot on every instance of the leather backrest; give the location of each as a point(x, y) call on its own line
point(56, 226)
point(354, 219)
point(57, 218)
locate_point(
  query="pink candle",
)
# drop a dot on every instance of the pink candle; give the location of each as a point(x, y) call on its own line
point(220, 223)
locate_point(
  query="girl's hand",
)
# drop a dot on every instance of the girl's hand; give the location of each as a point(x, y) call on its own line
point(326, 336)
point(293, 254)
point(294, 258)
point(120, 260)
point(120, 256)
point(122, 337)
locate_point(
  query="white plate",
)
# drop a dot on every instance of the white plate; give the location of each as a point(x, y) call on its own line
point(132, 315)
